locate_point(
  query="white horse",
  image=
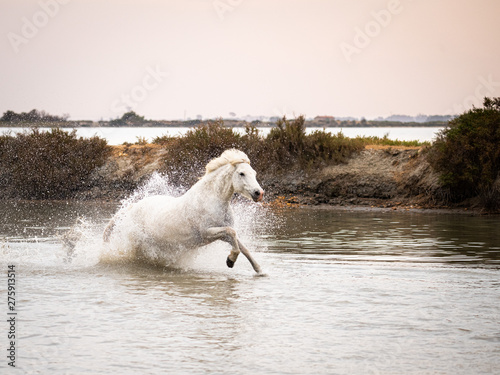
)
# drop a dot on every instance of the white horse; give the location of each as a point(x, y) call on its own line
point(201, 216)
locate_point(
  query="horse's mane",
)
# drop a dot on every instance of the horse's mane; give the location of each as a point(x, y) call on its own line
point(231, 156)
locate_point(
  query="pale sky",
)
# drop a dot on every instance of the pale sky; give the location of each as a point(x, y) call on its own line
point(166, 59)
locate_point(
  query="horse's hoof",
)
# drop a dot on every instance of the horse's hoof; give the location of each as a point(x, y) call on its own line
point(260, 274)
point(229, 263)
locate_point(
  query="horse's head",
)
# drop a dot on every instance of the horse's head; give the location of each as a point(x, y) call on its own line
point(245, 182)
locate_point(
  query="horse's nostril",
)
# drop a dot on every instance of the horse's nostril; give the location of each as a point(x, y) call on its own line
point(256, 193)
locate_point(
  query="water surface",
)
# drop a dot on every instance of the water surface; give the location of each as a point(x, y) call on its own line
point(346, 293)
point(117, 136)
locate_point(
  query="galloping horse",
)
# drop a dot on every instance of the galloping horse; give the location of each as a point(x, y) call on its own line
point(201, 216)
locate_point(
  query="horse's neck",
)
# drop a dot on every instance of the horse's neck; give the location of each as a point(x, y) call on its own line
point(216, 187)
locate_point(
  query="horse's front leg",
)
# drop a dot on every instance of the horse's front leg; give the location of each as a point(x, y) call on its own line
point(226, 234)
point(252, 261)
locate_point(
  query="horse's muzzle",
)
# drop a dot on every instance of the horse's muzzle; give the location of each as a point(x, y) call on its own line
point(258, 195)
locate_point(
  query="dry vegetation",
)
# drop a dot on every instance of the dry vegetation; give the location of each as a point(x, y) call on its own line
point(462, 166)
point(48, 165)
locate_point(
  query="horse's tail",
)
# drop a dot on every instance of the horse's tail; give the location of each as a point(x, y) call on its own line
point(109, 229)
point(71, 238)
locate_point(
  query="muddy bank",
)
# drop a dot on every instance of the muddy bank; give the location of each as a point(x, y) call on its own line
point(377, 176)
point(127, 168)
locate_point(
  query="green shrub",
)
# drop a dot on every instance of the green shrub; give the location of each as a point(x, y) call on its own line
point(286, 147)
point(49, 165)
point(467, 154)
point(289, 143)
point(141, 141)
point(163, 140)
point(385, 141)
point(327, 147)
point(288, 139)
point(188, 155)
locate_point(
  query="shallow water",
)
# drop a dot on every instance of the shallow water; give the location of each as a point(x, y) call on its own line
point(345, 293)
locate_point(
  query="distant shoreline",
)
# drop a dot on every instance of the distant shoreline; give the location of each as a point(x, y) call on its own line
point(227, 123)
point(36, 118)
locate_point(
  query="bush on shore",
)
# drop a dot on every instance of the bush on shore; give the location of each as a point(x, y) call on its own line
point(58, 165)
point(48, 165)
point(287, 146)
point(385, 141)
point(187, 155)
point(467, 155)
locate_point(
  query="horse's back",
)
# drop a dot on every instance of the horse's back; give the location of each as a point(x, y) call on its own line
point(154, 202)
point(166, 219)
point(155, 208)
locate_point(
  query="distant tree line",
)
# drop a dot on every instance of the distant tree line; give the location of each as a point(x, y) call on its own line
point(33, 116)
point(128, 119)
point(393, 121)
point(131, 118)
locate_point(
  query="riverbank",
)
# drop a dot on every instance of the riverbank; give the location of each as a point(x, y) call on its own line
point(378, 176)
point(294, 168)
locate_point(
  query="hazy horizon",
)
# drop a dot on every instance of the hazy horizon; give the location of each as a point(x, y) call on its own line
point(214, 58)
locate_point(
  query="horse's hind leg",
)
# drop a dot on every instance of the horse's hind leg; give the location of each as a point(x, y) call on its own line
point(108, 230)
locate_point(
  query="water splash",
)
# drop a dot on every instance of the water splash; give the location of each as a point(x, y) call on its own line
point(75, 243)
point(250, 219)
point(157, 184)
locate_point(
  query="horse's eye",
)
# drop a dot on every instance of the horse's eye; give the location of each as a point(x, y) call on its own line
point(242, 174)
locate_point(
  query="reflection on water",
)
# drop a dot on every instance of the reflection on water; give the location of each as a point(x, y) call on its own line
point(389, 236)
point(346, 293)
point(28, 220)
